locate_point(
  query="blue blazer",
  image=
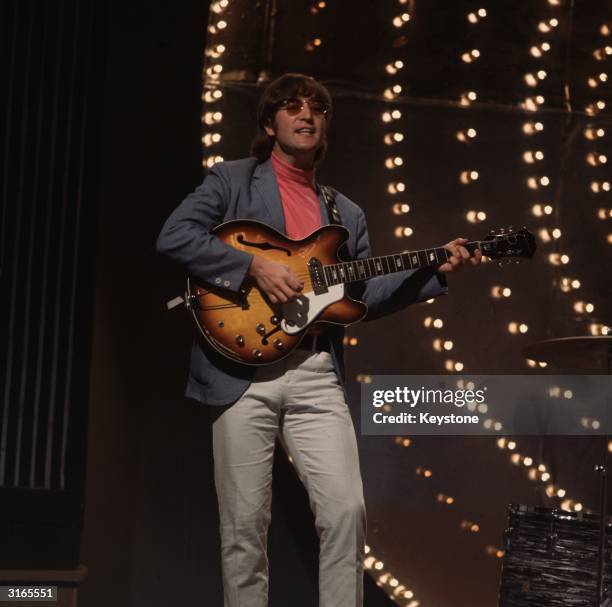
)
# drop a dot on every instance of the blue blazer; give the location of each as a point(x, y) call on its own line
point(244, 189)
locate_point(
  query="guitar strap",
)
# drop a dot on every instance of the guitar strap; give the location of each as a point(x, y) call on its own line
point(329, 197)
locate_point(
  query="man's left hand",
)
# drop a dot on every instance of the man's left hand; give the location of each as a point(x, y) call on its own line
point(460, 256)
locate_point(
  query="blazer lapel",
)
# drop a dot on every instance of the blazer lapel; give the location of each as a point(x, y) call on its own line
point(267, 190)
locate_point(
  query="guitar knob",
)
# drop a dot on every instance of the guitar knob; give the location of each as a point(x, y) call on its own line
point(260, 328)
point(240, 340)
point(278, 344)
point(274, 320)
point(257, 353)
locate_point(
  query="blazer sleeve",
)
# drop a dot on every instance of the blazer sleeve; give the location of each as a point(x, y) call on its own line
point(392, 292)
point(186, 237)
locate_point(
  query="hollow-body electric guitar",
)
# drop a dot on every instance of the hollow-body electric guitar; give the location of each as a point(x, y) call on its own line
point(246, 327)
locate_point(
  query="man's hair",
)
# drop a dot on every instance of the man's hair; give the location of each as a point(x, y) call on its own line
point(289, 85)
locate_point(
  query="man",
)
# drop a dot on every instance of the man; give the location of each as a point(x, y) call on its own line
point(300, 398)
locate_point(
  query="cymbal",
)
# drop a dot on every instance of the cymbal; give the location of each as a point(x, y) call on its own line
point(588, 353)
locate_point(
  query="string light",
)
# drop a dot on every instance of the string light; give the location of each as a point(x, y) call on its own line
point(531, 128)
point(454, 366)
point(539, 210)
point(538, 182)
point(596, 159)
point(475, 216)
point(403, 441)
point(470, 56)
point(602, 53)
point(400, 208)
point(394, 162)
point(468, 97)
point(598, 187)
point(317, 7)
point(387, 580)
point(477, 16)
point(498, 292)
point(593, 133)
point(468, 177)
point(433, 323)
point(583, 307)
point(393, 138)
point(401, 20)
point(558, 259)
point(514, 328)
point(403, 231)
point(445, 499)
point(394, 67)
point(213, 70)
point(532, 156)
point(313, 44)
point(442, 345)
point(396, 187)
point(592, 109)
point(567, 284)
point(466, 134)
point(470, 526)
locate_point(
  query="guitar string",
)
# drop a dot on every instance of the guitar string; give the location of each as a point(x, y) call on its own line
point(259, 299)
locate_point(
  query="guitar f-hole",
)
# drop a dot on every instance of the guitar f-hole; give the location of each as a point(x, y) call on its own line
point(264, 246)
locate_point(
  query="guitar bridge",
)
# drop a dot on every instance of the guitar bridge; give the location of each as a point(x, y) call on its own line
point(317, 277)
point(243, 299)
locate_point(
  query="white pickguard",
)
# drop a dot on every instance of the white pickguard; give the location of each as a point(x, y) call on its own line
point(300, 313)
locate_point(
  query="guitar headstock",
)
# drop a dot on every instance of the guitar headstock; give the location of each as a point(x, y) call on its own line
point(510, 244)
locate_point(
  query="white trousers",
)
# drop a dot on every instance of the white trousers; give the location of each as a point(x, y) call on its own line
point(301, 399)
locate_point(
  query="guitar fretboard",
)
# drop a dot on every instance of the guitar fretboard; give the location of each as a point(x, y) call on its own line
point(362, 269)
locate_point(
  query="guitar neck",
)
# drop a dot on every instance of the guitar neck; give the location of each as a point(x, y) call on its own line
point(362, 269)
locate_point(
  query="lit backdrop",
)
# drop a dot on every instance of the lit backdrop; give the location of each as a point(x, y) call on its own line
point(450, 119)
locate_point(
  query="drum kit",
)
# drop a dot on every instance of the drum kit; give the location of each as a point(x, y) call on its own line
point(553, 557)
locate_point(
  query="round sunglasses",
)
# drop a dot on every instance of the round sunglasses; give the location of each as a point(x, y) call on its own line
point(294, 105)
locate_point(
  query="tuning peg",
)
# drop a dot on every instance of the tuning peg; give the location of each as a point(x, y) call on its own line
point(510, 229)
point(517, 261)
point(492, 232)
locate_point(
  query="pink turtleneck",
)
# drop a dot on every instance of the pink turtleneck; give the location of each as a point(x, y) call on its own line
point(299, 198)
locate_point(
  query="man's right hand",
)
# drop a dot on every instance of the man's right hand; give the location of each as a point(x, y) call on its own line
point(276, 280)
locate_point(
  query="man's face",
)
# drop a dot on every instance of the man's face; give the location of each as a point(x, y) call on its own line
point(299, 127)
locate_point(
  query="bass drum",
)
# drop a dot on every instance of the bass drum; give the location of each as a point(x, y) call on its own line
point(551, 558)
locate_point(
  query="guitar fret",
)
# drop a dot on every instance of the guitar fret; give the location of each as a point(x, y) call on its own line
point(362, 269)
